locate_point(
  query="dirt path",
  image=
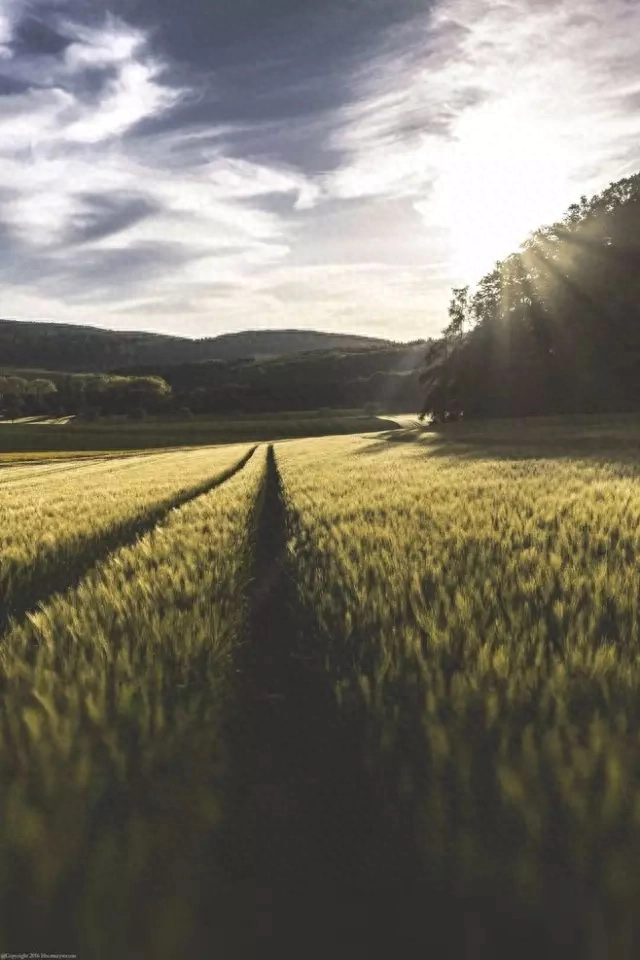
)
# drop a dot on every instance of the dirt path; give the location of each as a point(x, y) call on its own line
point(318, 870)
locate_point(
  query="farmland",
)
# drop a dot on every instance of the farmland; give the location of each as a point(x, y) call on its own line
point(481, 612)
point(59, 518)
point(113, 434)
point(382, 688)
point(112, 694)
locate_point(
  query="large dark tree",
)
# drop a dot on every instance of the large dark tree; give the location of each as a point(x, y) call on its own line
point(554, 328)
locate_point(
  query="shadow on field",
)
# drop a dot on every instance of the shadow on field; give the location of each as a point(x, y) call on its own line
point(520, 442)
point(318, 840)
point(315, 867)
point(388, 438)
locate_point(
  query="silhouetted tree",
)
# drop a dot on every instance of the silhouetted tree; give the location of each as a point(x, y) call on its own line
point(554, 328)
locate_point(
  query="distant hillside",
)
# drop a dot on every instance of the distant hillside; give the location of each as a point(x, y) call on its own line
point(386, 375)
point(377, 378)
point(66, 347)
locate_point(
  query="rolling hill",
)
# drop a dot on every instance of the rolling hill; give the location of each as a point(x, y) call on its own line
point(71, 348)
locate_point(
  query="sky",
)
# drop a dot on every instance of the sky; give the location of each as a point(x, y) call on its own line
point(206, 166)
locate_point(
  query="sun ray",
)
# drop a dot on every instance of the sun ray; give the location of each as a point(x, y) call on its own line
point(506, 173)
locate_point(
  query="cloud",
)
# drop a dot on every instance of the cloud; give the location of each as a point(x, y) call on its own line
point(34, 37)
point(494, 111)
point(93, 212)
point(104, 215)
point(8, 17)
point(199, 167)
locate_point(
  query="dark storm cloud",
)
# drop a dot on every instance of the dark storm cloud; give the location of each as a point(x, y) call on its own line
point(89, 84)
point(272, 72)
point(103, 215)
point(86, 274)
point(9, 86)
point(276, 71)
point(216, 34)
point(35, 36)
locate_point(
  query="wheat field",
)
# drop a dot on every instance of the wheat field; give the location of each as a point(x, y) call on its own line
point(483, 612)
point(462, 621)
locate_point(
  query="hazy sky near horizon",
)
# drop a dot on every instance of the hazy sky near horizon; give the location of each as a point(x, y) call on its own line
point(205, 166)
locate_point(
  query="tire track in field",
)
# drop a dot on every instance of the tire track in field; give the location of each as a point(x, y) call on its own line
point(43, 469)
point(316, 868)
point(93, 550)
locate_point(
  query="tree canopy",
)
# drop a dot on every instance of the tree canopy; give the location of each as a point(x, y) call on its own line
point(82, 393)
point(553, 328)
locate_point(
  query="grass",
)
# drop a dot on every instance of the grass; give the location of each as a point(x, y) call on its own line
point(482, 614)
point(56, 519)
point(112, 702)
point(580, 434)
point(76, 437)
point(385, 689)
point(21, 458)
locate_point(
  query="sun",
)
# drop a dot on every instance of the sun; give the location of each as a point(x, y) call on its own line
point(506, 173)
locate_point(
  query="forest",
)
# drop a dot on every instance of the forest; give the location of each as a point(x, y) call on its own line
point(553, 328)
point(376, 377)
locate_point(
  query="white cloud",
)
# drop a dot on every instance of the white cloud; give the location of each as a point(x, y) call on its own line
point(8, 15)
point(59, 147)
point(495, 119)
point(134, 95)
point(115, 43)
point(480, 122)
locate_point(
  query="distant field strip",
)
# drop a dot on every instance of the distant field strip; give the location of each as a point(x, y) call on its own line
point(105, 435)
point(54, 528)
point(12, 470)
point(111, 754)
point(30, 474)
point(483, 613)
point(97, 469)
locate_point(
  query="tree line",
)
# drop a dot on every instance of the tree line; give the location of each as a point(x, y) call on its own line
point(388, 377)
point(85, 395)
point(371, 379)
point(553, 328)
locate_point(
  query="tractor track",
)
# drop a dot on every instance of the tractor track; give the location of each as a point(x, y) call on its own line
point(97, 549)
point(311, 857)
